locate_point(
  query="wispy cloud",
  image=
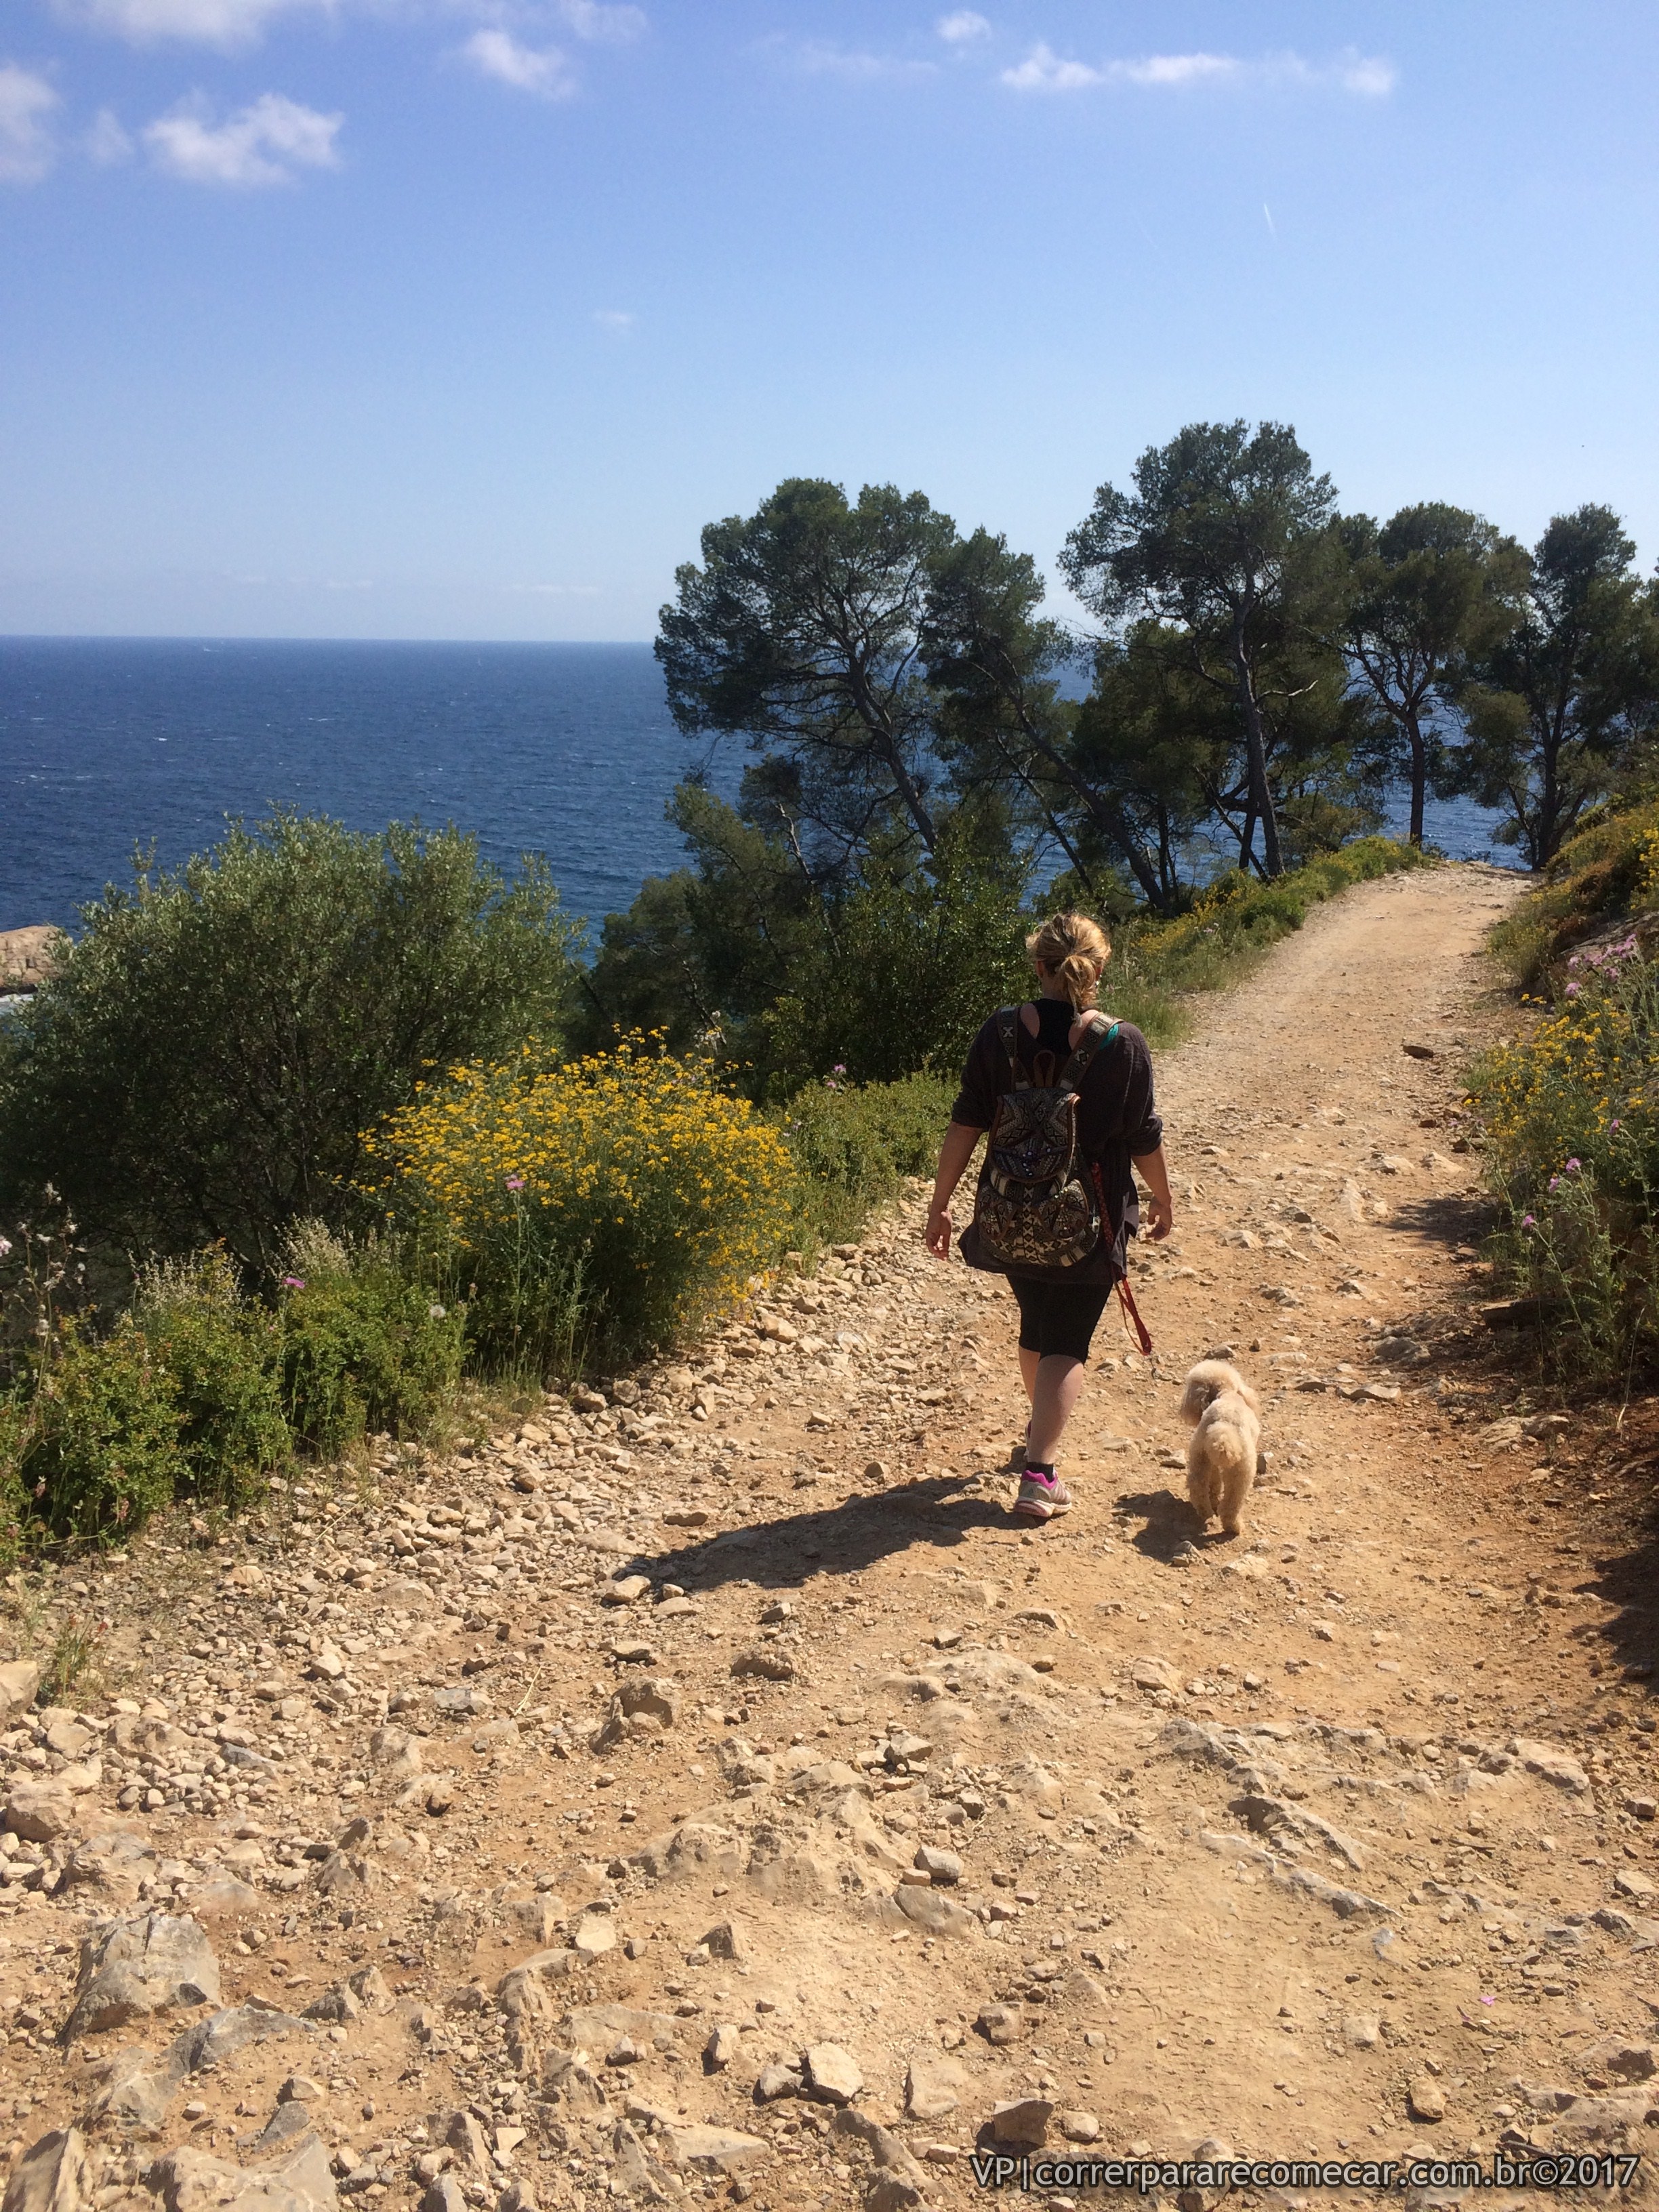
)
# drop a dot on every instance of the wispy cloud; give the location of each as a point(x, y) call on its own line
point(106, 142)
point(1367, 76)
point(1042, 70)
point(853, 64)
point(963, 27)
point(227, 23)
point(544, 71)
point(618, 320)
point(27, 149)
point(234, 23)
point(263, 144)
point(608, 26)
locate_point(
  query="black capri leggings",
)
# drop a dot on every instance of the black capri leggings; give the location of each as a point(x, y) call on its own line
point(1058, 1318)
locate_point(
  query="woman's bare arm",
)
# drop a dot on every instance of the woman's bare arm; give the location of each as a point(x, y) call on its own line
point(954, 1155)
point(1154, 1172)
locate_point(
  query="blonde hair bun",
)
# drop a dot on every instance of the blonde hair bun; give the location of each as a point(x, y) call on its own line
point(1074, 949)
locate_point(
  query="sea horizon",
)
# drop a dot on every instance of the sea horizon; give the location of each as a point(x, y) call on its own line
point(561, 748)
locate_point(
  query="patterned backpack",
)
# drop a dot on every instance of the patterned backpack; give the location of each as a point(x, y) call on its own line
point(1037, 1205)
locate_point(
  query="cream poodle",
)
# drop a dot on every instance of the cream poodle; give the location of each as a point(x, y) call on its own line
point(1223, 1414)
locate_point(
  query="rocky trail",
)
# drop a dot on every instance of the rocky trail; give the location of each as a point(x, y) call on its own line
point(710, 1793)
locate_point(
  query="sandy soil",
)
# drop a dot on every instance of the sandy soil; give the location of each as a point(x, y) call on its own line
point(1336, 1840)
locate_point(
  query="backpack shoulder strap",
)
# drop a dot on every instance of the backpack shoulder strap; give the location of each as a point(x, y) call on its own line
point(1008, 1034)
point(1093, 1040)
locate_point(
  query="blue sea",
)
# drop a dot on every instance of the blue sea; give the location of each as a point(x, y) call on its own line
point(106, 744)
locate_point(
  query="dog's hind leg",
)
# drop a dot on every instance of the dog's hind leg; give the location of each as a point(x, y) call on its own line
point(1237, 1477)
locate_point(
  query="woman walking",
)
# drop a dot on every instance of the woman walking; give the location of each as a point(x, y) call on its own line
point(1067, 1097)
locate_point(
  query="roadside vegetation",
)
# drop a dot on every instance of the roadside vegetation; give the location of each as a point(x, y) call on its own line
point(1570, 1108)
point(313, 1132)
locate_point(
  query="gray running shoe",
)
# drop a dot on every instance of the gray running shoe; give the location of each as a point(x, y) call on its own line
point(1041, 1497)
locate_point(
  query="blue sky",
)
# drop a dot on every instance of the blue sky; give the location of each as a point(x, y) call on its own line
point(458, 318)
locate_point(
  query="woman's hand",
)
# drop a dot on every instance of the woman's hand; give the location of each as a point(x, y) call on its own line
point(937, 1235)
point(954, 1155)
point(1158, 1219)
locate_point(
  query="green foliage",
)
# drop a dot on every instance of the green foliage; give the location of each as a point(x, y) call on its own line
point(15, 1426)
point(800, 632)
point(365, 1348)
point(100, 1450)
point(1606, 874)
point(702, 954)
point(1564, 703)
point(855, 1144)
point(223, 1354)
point(615, 1201)
point(1226, 543)
point(1571, 1115)
point(908, 966)
point(1427, 595)
point(221, 1036)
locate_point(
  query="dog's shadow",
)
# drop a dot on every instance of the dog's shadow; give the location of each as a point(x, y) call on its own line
point(1168, 1523)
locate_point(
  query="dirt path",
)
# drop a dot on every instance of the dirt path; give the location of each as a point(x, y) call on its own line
point(1320, 1842)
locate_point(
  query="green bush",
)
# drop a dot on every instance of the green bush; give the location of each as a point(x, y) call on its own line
point(611, 1204)
point(906, 969)
point(1571, 1117)
point(224, 1355)
point(203, 1069)
point(14, 1498)
point(100, 1450)
point(1606, 874)
point(854, 1145)
point(364, 1348)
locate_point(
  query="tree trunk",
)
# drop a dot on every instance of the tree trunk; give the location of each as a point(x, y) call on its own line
point(1419, 775)
point(1256, 744)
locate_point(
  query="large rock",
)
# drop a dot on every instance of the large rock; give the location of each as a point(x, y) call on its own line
point(32, 956)
point(135, 2088)
point(648, 1707)
point(939, 1915)
point(1551, 1763)
point(888, 2153)
point(594, 2027)
point(1024, 2121)
point(115, 1863)
point(132, 1968)
point(699, 2149)
point(832, 2073)
point(224, 2033)
point(39, 1812)
point(935, 2085)
point(191, 2181)
point(51, 2176)
point(19, 1682)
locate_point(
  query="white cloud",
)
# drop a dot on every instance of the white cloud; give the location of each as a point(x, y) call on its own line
point(610, 26)
point(818, 58)
point(543, 71)
point(1369, 76)
point(1176, 69)
point(228, 23)
point(1042, 70)
point(106, 142)
point(28, 149)
point(963, 27)
point(1372, 75)
point(263, 144)
point(618, 320)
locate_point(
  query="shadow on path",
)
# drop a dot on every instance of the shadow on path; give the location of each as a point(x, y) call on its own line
point(844, 1538)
